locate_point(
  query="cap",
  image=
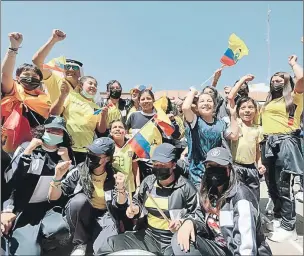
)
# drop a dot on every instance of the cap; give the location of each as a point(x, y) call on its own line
point(219, 155)
point(55, 122)
point(102, 145)
point(164, 153)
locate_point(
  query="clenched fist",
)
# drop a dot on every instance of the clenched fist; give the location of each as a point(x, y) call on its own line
point(58, 35)
point(64, 89)
point(15, 39)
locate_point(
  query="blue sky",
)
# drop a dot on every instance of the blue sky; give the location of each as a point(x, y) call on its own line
point(171, 45)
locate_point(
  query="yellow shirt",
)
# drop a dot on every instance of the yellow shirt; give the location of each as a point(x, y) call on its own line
point(133, 109)
point(113, 114)
point(181, 126)
point(80, 120)
point(123, 163)
point(275, 119)
point(244, 149)
point(53, 84)
point(98, 198)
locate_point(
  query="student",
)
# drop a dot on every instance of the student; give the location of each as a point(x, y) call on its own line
point(25, 105)
point(53, 82)
point(174, 194)
point(227, 221)
point(27, 216)
point(96, 194)
point(204, 131)
point(81, 113)
point(281, 148)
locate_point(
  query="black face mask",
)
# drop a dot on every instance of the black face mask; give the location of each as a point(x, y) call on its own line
point(162, 173)
point(277, 87)
point(93, 162)
point(115, 94)
point(30, 83)
point(215, 177)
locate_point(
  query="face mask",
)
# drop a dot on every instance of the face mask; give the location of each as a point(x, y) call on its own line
point(115, 94)
point(87, 95)
point(277, 87)
point(162, 173)
point(30, 83)
point(52, 139)
point(93, 162)
point(215, 177)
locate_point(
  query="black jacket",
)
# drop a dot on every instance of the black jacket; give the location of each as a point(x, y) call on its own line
point(240, 223)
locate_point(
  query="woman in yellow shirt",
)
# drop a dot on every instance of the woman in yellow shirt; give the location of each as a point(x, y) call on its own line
point(281, 148)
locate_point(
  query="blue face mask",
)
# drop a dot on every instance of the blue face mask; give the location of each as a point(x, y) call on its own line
point(86, 95)
point(52, 139)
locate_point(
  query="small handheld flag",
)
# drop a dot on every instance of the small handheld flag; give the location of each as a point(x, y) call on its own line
point(56, 64)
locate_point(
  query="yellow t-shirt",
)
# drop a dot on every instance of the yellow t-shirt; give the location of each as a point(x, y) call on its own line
point(53, 84)
point(133, 109)
point(276, 120)
point(80, 120)
point(98, 198)
point(113, 114)
point(244, 149)
point(181, 126)
point(123, 163)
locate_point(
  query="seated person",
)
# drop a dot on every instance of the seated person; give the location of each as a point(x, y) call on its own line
point(168, 191)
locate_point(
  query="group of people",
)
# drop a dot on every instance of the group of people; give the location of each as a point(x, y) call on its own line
point(68, 176)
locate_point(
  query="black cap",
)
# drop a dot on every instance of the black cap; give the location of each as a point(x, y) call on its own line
point(102, 146)
point(219, 155)
point(55, 122)
point(164, 153)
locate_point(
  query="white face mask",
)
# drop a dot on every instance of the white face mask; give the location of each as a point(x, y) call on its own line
point(87, 95)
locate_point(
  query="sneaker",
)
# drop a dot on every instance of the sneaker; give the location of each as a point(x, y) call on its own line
point(269, 207)
point(281, 235)
point(273, 225)
point(79, 250)
point(299, 196)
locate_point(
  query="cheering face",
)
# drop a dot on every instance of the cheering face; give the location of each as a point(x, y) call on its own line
point(72, 72)
point(247, 111)
point(277, 79)
point(28, 73)
point(205, 105)
point(90, 86)
point(146, 102)
point(134, 95)
point(117, 130)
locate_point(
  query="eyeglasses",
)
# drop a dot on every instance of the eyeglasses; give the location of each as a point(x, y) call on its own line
point(74, 67)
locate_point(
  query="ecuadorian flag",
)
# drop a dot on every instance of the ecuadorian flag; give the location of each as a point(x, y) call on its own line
point(237, 49)
point(144, 142)
point(56, 64)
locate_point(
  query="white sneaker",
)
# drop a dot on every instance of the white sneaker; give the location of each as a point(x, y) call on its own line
point(281, 235)
point(79, 250)
point(299, 196)
point(269, 207)
point(273, 225)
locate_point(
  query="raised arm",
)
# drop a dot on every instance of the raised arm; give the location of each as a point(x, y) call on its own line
point(188, 113)
point(58, 106)
point(234, 127)
point(298, 71)
point(217, 76)
point(9, 61)
point(40, 56)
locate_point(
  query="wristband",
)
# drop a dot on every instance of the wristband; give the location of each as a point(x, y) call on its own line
point(53, 179)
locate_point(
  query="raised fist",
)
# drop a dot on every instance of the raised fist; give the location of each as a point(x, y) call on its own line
point(15, 39)
point(58, 35)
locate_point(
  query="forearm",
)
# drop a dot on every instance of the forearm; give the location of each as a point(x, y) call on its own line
point(234, 128)
point(57, 108)
point(102, 124)
point(298, 71)
point(7, 69)
point(55, 191)
point(40, 56)
point(121, 197)
point(188, 113)
point(235, 89)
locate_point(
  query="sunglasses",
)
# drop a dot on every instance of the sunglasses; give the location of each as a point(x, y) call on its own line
point(74, 67)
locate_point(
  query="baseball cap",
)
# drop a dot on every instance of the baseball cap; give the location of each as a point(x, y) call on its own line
point(55, 122)
point(103, 146)
point(164, 153)
point(219, 155)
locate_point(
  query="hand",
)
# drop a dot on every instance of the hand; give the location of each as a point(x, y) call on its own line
point(32, 146)
point(104, 111)
point(174, 225)
point(192, 89)
point(15, 39)
point(292, 60)
point(7, 219)
point(232, 109)
point(185, 233)
point(261, 169)
point(58, 35)
point(64, 89)
point(119, 180)
point(61, 169)
point(171, 116)
point(132, 210)
point(218, 73)
point(247, 78)
point(64, 153)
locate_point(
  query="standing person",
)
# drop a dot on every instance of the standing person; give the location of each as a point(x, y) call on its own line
point(204, 131)
point(281, 148)
point(27, 216)
point(134, 104)
point(81, 114)
point(53, 82)
point(25, 105)
point(96, 194)
point(173, 193)
point(227, 220)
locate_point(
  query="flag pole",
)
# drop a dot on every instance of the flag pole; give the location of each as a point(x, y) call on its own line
point(223, 66)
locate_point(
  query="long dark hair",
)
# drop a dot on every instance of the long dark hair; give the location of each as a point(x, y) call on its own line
point(204, 193)
point(287, 89)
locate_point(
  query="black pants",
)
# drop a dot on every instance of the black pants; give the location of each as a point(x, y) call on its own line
point(35, 225)
point(88, 223)
point(79, 157)
point(140, 240)
point(201, 246)
point(250, 177)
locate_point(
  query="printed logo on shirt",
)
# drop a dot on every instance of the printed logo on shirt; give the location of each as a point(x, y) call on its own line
point(215, 152)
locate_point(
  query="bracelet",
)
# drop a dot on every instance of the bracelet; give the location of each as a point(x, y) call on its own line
point(53, 179)
point(54, 185)
point(13, 49)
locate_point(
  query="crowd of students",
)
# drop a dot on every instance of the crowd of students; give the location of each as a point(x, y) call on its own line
point(67, 178)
